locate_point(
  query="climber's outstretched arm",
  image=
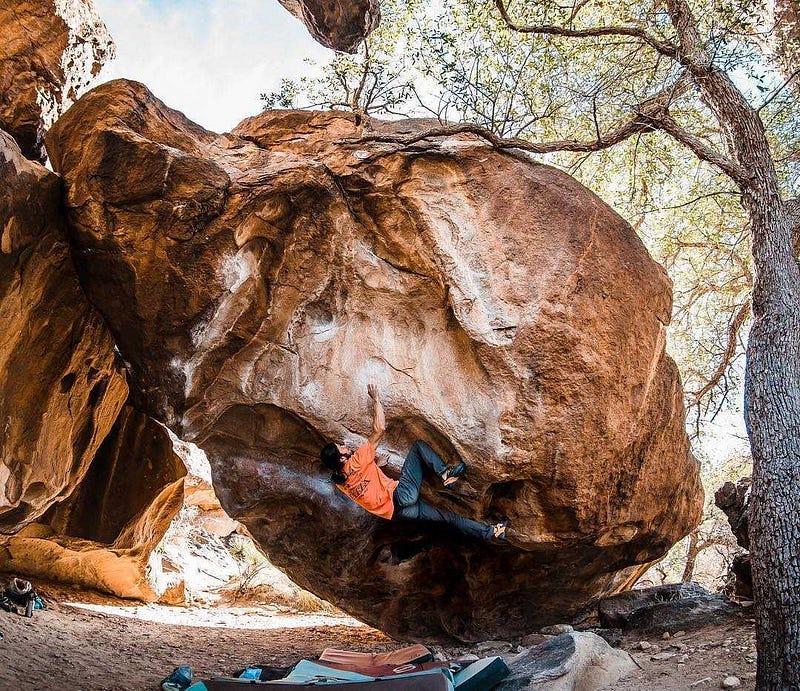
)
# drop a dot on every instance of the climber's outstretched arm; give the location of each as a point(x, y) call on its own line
point(378, 418)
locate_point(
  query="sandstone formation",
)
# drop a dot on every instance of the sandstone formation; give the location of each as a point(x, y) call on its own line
point(49, 50)
point(256, 281)
point(104, 535)
point(61, 386)
point(338, 24)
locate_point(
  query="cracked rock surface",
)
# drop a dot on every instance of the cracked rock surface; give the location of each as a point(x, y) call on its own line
point(256, 281)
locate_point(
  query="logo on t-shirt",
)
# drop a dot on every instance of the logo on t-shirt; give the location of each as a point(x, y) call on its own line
point(359, 489)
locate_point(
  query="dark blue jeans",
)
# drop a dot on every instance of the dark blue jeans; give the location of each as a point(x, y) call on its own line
point(407, 503)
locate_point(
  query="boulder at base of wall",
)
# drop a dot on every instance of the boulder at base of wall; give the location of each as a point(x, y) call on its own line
point(61, 386)
point(666, 608)
point(49, 51)
point(568, 662)
point(258, 280)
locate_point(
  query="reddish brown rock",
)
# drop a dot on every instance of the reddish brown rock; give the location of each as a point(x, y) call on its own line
point(103, 536)
point(338, 24)
point(49, 50)
point(256, 281)
point(61, 386)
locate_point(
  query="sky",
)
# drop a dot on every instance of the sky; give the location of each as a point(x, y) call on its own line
point(210, 59)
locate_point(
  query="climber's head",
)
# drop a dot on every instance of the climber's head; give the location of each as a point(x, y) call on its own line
point(333, 457)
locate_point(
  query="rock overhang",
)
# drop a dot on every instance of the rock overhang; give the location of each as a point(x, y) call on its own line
point(256, 281)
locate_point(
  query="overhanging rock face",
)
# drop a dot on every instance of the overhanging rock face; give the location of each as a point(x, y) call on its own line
point(49, 51)
point(256, 281)
point(338, 24)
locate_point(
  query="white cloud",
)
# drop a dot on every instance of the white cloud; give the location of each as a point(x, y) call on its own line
point(210, 59)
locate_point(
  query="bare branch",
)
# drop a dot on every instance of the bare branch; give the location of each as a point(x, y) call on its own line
point(646, 118)
point(663, 47)
point(778, 91)
point(691, 201)
point(702, 150)
point(356, 105)
point(730, 350)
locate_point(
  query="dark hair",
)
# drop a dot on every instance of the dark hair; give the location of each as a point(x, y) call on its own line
point(332, 459)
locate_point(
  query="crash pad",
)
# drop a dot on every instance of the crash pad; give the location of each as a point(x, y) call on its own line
point(481, 674)
point(349, 659)
point(307, 674)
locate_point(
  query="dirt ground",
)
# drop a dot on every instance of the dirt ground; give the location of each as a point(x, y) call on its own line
point(117, 645)
point(711, 654)
point(66, 647)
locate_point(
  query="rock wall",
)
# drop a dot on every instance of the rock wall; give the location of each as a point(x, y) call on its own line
point(61, 385)
point(254, 282)
point(338, 24)
point(132, 467)
point(49, 50)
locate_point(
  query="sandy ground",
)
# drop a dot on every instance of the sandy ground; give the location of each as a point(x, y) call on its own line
point(99, 643)
point(132, 648)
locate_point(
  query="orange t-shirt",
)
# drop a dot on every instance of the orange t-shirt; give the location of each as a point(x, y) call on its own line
point(366, 484)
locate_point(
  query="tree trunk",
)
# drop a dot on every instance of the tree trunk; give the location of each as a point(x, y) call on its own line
point(691, 557)
point(772, 414)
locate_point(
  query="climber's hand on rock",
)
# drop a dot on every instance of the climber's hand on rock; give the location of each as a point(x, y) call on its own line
point(372, 390)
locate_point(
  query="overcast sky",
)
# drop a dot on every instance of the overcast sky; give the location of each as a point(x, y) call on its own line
point(209, 58)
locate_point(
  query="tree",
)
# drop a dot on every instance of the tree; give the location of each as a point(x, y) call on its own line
point(373, 81)
point(620, 74)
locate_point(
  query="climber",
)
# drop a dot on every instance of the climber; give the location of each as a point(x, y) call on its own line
point(357, 475)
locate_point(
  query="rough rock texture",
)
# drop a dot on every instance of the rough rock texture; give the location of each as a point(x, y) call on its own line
point(255, 282)
point(338, 24)
point(104, 535)
point(49, 50)
point(569, 662)
point(133, 466)
point(734, 500)
point(61, 386)
point(666, 608)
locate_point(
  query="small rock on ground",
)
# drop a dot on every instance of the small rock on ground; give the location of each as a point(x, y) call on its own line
point(556, 629)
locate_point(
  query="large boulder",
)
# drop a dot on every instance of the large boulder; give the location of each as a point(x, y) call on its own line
point(256, 281)
point(49, 50)
point(338, 24)
point(666, 608)
point(61, 385)
point(734, 500)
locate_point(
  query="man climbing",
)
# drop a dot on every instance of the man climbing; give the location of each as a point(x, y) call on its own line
point(357, 475)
